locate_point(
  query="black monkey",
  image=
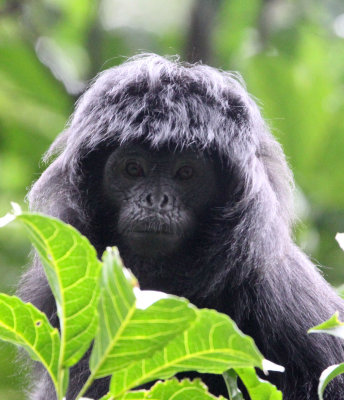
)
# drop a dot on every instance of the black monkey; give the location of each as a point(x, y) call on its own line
point(174, 164)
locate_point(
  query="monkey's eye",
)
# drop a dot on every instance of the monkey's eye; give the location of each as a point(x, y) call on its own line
point(185, 173)
point(134, 169)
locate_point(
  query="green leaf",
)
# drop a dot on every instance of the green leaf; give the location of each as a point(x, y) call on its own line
point(72, 270)
point(213, 344)
point(171, 389)
point(332, 326)
point(136, 395)
point(22, 324)
point(257, 388)
point(180, 390)
point(327, 376)
point(109, 397)
point(129, 334)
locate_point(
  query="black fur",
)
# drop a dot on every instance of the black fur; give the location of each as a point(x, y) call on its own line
point(246, 265)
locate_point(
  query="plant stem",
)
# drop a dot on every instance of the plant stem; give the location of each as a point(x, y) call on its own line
point(85, 387)
point(60, 385)
point(231, 380)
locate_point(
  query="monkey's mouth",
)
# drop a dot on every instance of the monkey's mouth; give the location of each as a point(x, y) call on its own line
point(157, 228)
point(152, 242)
point(150, 236)
point(152, 232)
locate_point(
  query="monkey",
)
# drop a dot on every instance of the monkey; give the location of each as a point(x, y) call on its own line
point(173, 163)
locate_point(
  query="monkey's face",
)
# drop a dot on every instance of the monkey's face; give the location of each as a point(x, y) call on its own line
point(157, 196)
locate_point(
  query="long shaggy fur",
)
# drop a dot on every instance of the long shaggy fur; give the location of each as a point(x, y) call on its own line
point(247, 265)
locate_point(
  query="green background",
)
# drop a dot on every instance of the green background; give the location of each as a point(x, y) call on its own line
point(290, 53)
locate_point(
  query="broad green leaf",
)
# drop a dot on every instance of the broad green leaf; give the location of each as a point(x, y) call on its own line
point(22, 324)
point(257, 388)
point(180, 390)
point(327, 376)
point(212, 344)
point(171, 389)
point(135, 395)
point(72, 269)
point(332, 326)
point(129, 334)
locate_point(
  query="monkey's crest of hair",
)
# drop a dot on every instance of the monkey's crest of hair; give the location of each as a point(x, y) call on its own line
point(163, 101)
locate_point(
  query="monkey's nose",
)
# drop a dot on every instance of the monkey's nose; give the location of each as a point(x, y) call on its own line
point(158, 201)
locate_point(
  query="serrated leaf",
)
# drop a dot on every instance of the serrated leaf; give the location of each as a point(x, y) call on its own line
point(172, 389)
point(213, 344)
point(258, 388)
point(23, 325)
point(126, 333)
point(180, 390)
point(333, 326)
point(72, 270)
point(327, 376)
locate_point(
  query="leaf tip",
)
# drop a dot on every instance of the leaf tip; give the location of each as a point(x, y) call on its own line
point(16, 209)
point(145, 298)
point(270, 366)
point(340, 240)
point(11, 216)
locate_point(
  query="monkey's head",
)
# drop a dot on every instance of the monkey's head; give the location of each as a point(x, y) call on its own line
point(154, 147)
point(157, 197)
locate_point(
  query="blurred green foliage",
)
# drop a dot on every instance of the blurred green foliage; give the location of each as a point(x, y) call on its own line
point(290, 53)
